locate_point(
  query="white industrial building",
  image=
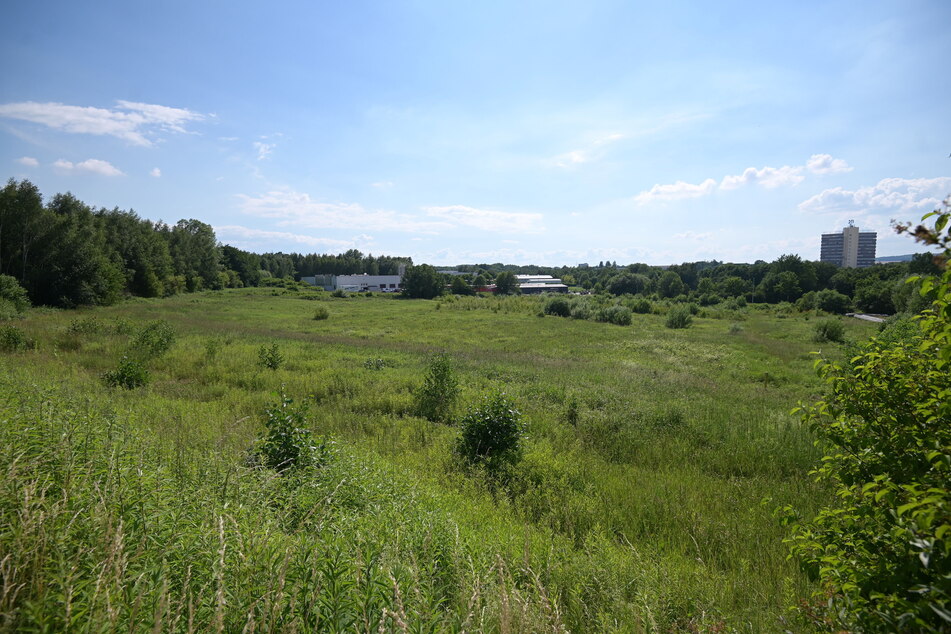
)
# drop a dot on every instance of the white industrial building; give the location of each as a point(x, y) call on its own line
point(357, 283)
point(529, 284)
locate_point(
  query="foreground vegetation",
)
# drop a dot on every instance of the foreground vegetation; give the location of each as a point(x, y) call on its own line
point(637, 502)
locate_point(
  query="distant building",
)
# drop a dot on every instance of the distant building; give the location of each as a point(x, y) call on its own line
point(356, 283)
point(529, 284)
point(851, 248)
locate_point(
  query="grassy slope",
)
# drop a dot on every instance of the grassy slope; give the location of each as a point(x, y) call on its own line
point(644, 514)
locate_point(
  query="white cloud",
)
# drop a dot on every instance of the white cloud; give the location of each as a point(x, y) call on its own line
point(768, 177)
point(156, 172)
point(264, 149)
point(29, 161)
point(291, 208)
point(95, 166)
point(245, 235)
point(382, 184)
point(130, 121)
point(677, 191)
point(892, 195)
point(487, 219)
point(593, 151)
point(298, 209)
point(825, 164)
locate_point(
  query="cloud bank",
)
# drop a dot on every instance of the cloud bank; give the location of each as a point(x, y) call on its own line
point(136, 123)
point(291, 208)
point(907, 195)
point(768, 177)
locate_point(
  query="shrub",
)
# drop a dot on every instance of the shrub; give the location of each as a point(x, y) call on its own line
point(491, 434)
point(129, 374)
point(829, 330)
point(558, 306)
point(641, 306)
point(13, 295)
point(679, 317)
point(620, 315)
point(339, 293)
point(833, 301)
point(88, 326)
point(270, 357)
point(735, 328)
point(154, 340)
point(882, 550)
point(321, 313)
point(289, 444)
point(12, 339)
point(580, 310)
point(436, 398)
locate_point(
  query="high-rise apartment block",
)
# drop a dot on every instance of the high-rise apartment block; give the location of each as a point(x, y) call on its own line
point(851, 248)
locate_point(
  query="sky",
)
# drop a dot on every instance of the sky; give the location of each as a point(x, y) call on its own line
point(549, 133)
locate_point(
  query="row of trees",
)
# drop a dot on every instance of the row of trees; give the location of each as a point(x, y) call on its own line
point(65, 253)
point(789, 278)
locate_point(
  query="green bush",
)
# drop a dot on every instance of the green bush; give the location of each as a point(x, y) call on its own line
point(829, 330)
point(619, 315)
point(491, 434)
point(436, 397)
point(580, 310)
point(679, 317)
point(270, 356)
point(289, 444)
point(558, 306)
point(13, 295)
point(881, 551)
point(321, 313)
point(87, 326)
point(339, 293)
point(12, 339)
point(641, 306)
point(154, 340)
point(129, 374)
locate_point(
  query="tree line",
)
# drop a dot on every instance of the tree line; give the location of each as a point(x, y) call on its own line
point(789, 278)
point(65, 253)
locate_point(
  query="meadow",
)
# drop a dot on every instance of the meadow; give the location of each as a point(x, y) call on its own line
point(645, 499)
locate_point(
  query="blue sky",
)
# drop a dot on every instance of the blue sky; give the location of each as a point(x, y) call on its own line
point(521, 132)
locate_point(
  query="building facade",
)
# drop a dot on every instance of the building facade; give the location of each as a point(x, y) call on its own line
point(851, 248)
point(357, 283)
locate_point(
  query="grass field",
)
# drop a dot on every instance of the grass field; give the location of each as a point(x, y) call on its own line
point(644, 501)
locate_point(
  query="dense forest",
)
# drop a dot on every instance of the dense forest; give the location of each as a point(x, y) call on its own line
point(65, 253)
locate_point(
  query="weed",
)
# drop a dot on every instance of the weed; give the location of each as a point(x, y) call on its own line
point(339, 293)
point(735, 328)
point(374, 364)
point(12, 339)
point(154, 340)
point(436, 398)
point(321, 313)
point(129, 374)
point(87, 326)
point(289, 444)
point(491, 434)
point(270, 356)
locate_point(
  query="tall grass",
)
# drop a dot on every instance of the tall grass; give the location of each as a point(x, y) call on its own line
point(642, 510)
